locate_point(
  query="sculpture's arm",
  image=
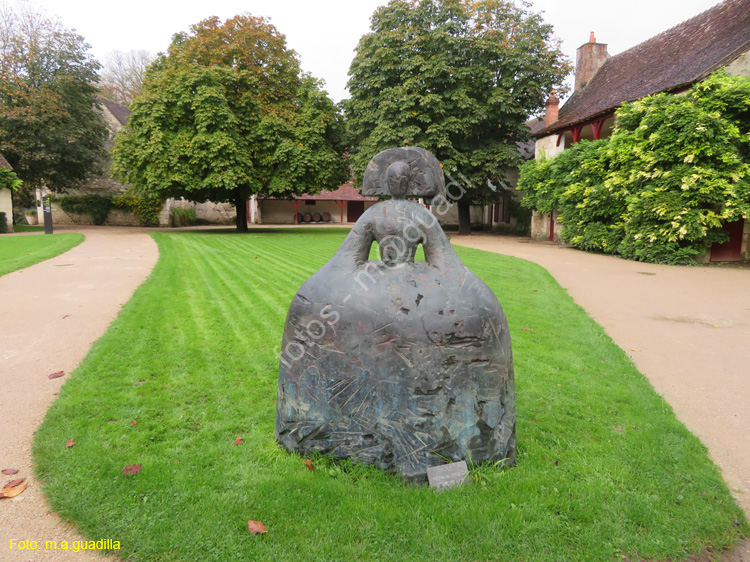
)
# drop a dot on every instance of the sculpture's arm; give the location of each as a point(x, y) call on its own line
point(355, 249)
point(437, 248)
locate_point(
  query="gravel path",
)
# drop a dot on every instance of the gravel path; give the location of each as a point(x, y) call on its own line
point(57, 309)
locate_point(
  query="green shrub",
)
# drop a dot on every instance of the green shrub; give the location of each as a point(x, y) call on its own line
point(96, 206)
point(9, 180)
point(146, 208)
point(182, 216)
point(590, 213)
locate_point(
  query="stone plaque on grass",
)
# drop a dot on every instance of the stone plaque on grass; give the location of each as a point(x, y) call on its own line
point(448, 475)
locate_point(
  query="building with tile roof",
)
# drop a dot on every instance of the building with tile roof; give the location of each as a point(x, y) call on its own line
point(671, 61)
point(341, 205)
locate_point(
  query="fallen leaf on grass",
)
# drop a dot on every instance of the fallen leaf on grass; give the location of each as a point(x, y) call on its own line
point(256, 527)
point(528, 330)
point(309, 465)
point(133, 422)
point(70, 443)
point(57, 375)
point(13, 492)
point(14, 483)
point(10, 471)
point(239, 440)
point(131, 469)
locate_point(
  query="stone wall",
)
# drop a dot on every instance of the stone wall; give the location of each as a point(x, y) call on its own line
point(222, 213)
point(450, 217)
point(116, 217)
point(6, 206)
point(219, 213)
point(547, 147)
point(104, 184)
point(540, 226)
point(740, 66)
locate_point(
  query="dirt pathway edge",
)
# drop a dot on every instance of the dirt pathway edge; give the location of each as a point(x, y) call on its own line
point(57, 309)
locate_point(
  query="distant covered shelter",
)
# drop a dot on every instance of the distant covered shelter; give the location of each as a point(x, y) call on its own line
point(343, 205)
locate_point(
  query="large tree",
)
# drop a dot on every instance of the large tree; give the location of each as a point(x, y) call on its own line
point(226, 114)
point(50, 130)
point(457, 77)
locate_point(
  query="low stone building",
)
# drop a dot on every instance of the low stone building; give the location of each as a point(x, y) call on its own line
point(671, 62)
point(6, 201)
point(343, 205)
point(115, 116)
point(346, 204)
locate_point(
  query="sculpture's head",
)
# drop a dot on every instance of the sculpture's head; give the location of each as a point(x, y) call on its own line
point(404, 172)
point(398, 177)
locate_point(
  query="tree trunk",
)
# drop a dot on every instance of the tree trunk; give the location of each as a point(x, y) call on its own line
point(464, 219)
point(241, 205)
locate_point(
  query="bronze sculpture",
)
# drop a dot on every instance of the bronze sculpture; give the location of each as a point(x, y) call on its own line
point(398, 363)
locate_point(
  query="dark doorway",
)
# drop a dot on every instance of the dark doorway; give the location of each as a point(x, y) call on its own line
point(354, 210)
point(731, 250)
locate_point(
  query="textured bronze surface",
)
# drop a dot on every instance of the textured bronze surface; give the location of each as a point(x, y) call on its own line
point(397, 363)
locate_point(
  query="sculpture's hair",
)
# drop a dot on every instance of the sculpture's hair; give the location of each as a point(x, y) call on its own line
point(421, 169)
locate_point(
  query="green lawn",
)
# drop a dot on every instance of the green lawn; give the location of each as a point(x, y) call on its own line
point(604, 469)
point(17, 252)
point(27, 228)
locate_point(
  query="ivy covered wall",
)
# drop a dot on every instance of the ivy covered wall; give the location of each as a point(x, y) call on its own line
point(676, 168)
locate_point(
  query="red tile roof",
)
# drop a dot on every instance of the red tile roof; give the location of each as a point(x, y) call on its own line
point(674, 59)
point(345, 192)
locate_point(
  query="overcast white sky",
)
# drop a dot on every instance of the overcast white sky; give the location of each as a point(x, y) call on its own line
point(325, 32)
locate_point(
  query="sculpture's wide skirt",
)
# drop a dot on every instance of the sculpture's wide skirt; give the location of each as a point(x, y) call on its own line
point(402, 367)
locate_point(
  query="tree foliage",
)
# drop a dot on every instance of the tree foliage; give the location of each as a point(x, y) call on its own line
point(50, 130)
point(457, 77)
point(227, 114)
point(121, 77)
point(9, 180)
point(675, 169)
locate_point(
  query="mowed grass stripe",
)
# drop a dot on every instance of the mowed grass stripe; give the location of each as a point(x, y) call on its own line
point(259, 275)
point(604, 469)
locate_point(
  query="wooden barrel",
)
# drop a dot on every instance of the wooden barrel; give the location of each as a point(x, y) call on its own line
point(299, 218)
point(316, 217)
point(326, 217)
point(307, 217)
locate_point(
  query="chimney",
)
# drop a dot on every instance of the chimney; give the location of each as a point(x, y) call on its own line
point(589, 58)
point(552, 106)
